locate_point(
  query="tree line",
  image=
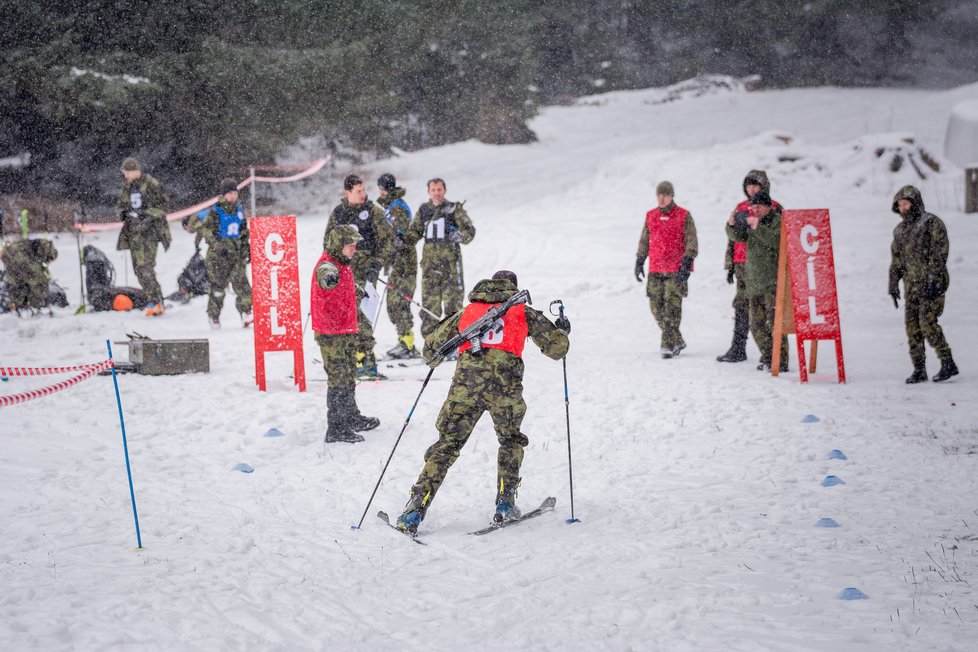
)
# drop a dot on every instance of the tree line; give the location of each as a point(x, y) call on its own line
point(198, 89)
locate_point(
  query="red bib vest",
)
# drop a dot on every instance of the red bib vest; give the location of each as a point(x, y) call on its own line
point(666, 245)
point(510, 336)
point(740, 248)
point(334, 312)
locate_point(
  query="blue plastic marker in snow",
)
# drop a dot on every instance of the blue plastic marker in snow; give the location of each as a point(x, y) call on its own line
point(244, 468)
point(836, 454)
point(851, 593)
point(825, 522)
point(810, 418)
point(273, 432)
point(831, 481)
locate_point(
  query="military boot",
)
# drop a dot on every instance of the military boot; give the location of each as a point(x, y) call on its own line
point(948, 369)
point(738, 348)
point(413, 514)
point(506, 509)
point(405, 348)
point(338, 422)
point(919, 375)
point(358, 422)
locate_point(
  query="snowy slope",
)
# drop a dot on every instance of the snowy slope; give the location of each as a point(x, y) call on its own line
point(697, 483)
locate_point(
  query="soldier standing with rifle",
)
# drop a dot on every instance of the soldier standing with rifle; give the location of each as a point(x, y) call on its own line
point(488, 378)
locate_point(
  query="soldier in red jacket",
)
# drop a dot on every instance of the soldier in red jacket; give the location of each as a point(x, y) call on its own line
point(669, 241)
point(335, 309)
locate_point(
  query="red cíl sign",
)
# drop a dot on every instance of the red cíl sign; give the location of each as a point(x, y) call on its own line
point(811, 268)
point(275, 293)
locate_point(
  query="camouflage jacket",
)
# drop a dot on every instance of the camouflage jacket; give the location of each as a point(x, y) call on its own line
point(369, 220)
point(142, 208)
point(761, 176)
point(764, 245)
point(28, 259)
point(443, 228)
point(210, 228)
point(920, 248)
point(503, 365)
point(400, 221)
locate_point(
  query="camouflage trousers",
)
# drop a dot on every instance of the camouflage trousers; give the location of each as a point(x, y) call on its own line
point(762, 328)
point(920, 318)
point(339, 359)
point(27, 291)
point(740, 302)
point(469, 397)
point(442, 291)
point(404, 277)
point(142, 248)
point(223, 268)
point(666, 301)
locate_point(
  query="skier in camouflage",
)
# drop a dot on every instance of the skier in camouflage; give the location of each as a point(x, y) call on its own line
point(919, 257)
point(142, 208)
point(488, 381)
point(403, 271)
point(445, 226)
point(372, 255)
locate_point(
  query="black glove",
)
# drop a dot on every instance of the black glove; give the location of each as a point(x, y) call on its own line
point(399, 240)
point(740, 220)
point(895, 295)
point(563, 324)
point(373, 273)
point(730, 276)
point(684, 269)
point(639, 268)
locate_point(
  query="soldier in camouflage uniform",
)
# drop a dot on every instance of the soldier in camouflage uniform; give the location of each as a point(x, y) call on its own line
point(490, 381)
point(445, 226)
point(919, 257)
point(734, 262)
point(142, 209)
point(225, 229)
point(761, 230)
point(373, 253)
point(335, 315)
point(403, 273)
point(27, 275)
point(669, 241)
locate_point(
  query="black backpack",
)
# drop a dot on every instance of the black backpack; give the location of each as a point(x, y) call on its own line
point(193, 279)
point(99, 271)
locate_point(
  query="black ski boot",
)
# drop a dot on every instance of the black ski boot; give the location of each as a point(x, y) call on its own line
point(738, 347)
point(948, 369)
point(919, 375)
point(358, 422)
point(338, 426)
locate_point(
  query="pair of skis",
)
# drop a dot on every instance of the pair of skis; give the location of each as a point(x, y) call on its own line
point(546, 506)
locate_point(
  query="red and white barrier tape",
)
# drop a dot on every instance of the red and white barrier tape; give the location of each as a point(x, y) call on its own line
point(307, 170)
point(89, 371)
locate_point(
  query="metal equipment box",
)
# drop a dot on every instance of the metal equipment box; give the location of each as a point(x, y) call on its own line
point(170, 357)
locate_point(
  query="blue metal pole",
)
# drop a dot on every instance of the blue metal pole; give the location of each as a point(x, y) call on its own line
point(125, 448)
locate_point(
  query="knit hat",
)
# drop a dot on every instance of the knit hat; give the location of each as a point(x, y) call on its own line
point(505, 275)
point(130, 164)
point(665, 188)
point(387, 181)
point(761, 197)
point(228, 185)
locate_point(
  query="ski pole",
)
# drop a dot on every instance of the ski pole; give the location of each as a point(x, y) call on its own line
point(380, 303)
point(407, 297)
point(391, 456)
point(570, 462)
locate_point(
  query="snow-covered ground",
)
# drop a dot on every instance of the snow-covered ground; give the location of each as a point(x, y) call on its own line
point(697, 483)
